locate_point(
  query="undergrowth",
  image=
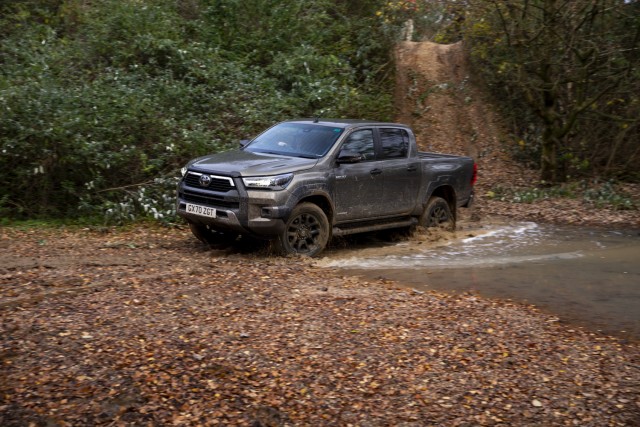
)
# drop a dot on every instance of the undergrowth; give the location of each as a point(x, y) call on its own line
point(600, 195)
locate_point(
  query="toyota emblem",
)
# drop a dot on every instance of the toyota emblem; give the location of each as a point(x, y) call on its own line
point(205, 180)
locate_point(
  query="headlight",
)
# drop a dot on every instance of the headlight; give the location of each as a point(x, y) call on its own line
point(277, 182)
point(184, 170)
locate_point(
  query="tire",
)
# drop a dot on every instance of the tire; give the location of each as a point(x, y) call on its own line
point(306, 231)
point(211, 237)
point(438, 214)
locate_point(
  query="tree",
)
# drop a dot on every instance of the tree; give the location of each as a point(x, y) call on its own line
point(566, 61)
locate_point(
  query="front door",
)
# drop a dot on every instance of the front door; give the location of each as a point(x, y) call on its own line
point(358, 186)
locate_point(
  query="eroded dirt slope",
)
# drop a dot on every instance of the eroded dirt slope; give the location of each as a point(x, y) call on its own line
point(450, 114)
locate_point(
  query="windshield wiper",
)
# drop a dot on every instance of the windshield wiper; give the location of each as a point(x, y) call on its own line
point(275, 153)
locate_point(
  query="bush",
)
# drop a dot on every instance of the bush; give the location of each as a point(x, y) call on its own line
point(103, 102)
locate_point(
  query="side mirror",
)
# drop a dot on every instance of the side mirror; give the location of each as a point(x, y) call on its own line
point(244, 142)
point(346, 156)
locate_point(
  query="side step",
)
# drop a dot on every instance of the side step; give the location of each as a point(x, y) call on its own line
point(363, 227)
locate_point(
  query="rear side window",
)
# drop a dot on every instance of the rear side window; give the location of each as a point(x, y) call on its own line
point(361, 141)
point(395, 143)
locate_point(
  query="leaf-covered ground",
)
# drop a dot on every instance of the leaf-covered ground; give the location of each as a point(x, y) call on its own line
point(146, 327)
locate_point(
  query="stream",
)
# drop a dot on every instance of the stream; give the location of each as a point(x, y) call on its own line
point(587, 277)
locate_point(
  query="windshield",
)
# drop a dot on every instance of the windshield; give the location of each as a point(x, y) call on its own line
point(296, 140)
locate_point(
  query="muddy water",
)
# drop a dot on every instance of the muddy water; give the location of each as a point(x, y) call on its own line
point(585, 277)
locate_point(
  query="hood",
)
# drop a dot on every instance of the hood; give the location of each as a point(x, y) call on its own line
point(245, 163)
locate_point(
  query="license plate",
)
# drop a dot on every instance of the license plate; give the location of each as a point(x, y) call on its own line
point(201, 210)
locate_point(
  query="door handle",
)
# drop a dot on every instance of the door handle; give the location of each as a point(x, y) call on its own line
point(375, 171)
point(411, 168)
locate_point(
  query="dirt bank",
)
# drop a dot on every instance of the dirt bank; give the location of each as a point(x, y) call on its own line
point(436, 96)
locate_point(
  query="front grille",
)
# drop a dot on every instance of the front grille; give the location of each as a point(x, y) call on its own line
point(220, 184)
point(213, 201)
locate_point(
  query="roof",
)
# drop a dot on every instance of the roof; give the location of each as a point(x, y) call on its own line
point(344, 123)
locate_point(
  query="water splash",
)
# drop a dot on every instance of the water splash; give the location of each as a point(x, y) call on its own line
point(493, 246)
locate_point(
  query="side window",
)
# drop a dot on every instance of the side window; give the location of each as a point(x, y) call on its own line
point(361, 141)
point(395, 142)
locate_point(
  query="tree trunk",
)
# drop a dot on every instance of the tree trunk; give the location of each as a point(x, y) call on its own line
point(549, 160)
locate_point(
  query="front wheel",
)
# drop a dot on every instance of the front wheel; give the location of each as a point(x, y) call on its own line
point(438, 214)
point(305, 233)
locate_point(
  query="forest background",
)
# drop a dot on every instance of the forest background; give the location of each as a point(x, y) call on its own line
point(103, 101)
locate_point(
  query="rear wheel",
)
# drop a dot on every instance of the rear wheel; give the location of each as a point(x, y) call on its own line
point(438, 214)
point(306, 232)
point(212, 237)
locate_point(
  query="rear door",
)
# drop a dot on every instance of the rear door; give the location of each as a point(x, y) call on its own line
point(401, 173)
point(358, 186)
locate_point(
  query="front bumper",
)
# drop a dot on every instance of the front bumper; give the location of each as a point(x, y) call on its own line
point(227, 220)
point(255, 213)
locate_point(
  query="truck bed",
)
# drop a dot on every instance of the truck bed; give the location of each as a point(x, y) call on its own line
point(430, 155)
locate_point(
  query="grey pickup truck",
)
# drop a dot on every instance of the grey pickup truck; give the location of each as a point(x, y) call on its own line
point(301, 182)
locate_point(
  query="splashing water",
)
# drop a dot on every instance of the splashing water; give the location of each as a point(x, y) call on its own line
point(586, 276)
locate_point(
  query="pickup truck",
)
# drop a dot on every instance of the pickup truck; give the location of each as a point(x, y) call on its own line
point(301, 182)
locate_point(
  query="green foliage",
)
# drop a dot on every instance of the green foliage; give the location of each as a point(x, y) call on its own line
point(606, 195)
point(103, 102)
point(154, 200)
point(436, 20)
point(600, 195)
point(531, 195)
